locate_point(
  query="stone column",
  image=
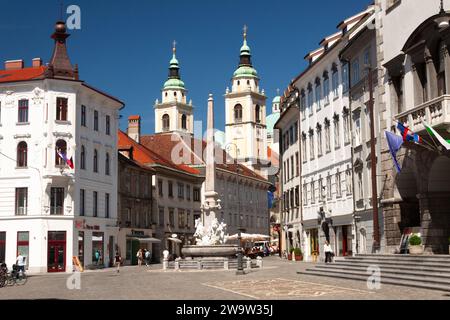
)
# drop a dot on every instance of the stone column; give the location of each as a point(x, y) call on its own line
point(435, 221)
point(432, 88)
point(211, 196)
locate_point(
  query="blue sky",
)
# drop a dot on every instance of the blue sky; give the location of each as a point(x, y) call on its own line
point(124, 47)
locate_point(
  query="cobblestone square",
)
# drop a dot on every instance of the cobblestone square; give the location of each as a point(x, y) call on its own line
point(278, 280)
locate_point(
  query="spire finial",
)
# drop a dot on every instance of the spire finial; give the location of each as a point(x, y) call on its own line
point(61, 4)
point(442, 7)
point(245, 32)
point(174, 48)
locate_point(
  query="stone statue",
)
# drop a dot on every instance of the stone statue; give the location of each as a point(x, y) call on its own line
point(214, 235)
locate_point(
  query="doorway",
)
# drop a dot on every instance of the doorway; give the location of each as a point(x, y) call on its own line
point(56, 255)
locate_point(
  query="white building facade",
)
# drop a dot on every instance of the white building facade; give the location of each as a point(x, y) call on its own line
point(49, 212)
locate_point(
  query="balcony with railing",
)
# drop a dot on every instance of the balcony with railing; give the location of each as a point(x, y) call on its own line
point(435, 112)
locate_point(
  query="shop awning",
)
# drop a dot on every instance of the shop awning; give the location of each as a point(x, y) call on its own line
point(145, 239)
point(310, 224)
point(342, 220)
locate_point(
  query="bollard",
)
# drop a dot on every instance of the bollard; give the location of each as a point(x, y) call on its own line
point(225, 264)
point(199, 265)
point(259, 262)
point(249, 263)
point(165, 264)
point(177, 264)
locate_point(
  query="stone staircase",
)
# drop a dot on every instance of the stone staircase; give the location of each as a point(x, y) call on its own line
point(428, 272)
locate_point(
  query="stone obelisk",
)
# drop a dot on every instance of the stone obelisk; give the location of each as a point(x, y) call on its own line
point(211, 205)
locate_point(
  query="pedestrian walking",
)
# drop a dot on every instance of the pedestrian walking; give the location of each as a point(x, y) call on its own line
point(328, 252)
point(140, 257)
point(20, 263)
point(118, 261)
point(97, 257)
point(147, 257)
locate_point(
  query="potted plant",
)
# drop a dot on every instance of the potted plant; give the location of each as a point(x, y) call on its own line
point(415, 244)
point(290, 253)
point(298, 254)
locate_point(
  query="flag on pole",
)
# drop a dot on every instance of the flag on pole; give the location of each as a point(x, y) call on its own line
point(408, 135)
point(395, 143)
point(433, 133)
point(66, 160)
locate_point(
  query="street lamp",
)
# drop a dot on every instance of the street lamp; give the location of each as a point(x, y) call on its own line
point(240, 267)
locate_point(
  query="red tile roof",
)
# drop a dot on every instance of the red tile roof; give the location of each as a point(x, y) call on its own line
point(164, 145)
point(25, 74)
point(134, 117)
point(146, 156)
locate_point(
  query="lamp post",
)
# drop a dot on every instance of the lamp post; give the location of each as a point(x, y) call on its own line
point(240, 267)
point(373, 160)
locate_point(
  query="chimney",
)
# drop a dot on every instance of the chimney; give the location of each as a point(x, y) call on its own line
point(14, 64)
point(37, 62)
point(134, 128)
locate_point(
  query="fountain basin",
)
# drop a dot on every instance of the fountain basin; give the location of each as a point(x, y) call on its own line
point(223, 250)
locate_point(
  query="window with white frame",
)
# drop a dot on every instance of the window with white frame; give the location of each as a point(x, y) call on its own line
point(319, 140)
point(338, 184)
point(337, 137)
point(311, 144)
point(347, 131)
point(335, 81)
point(326, 88)
point(304, 154)
point(348, 182)
point(357, 131)
point(327, 136)
point(310, 99)
point(318, 92)
point(329, 187)
point(303, 104)
point(345, 78)
point(305, 194)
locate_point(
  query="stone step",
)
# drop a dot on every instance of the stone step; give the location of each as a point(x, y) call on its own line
point(389, 271)
point(392, 266)
point(422, 258)
point(421, 279)
point(394, 263)
point(385, 280)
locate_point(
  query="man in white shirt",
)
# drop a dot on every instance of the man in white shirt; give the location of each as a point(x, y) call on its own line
point(328, 251)
point(20, 262)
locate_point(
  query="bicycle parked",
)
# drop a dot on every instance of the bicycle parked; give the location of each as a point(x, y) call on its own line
point(17, 276)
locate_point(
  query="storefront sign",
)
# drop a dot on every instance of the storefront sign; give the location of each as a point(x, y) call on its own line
point(81, 224)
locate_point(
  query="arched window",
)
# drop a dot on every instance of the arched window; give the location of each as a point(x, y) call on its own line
point(107, 164)
point(22, 151)
point(83, 158)
point(183, 122)
point(61, 149)
point(95, 160)
point(238, 113)
point(258, 113)
point(166, 122)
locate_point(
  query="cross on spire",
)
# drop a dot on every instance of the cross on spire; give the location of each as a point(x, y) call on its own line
point(174, 46)
point(245, 31)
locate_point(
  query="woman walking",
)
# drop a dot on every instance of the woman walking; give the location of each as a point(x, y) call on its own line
point(118, 261)
point(140, 257)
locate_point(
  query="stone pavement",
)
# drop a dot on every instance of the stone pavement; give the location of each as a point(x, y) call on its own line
point(278, 280)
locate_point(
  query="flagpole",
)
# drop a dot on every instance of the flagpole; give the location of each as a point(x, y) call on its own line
point(430, 146)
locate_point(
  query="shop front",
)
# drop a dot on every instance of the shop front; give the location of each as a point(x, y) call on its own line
point(56, 251)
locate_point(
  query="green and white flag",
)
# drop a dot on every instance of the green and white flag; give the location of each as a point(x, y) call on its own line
point(433, 133)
